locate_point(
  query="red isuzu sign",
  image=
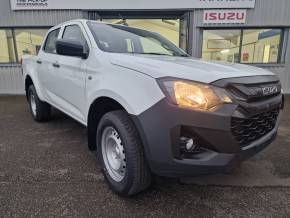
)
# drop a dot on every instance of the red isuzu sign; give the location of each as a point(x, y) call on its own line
point(224, 16)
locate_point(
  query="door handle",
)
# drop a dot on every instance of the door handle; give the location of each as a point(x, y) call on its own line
point(56, 65)
point(39, 61)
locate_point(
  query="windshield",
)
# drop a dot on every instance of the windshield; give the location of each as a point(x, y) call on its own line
point(123, 39)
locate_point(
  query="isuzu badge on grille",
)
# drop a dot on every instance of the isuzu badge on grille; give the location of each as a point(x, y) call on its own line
point(270, 90)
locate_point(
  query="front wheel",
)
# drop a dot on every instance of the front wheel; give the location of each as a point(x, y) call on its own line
point(121, 154)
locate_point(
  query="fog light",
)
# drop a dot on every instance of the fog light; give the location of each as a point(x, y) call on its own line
point(188, 144)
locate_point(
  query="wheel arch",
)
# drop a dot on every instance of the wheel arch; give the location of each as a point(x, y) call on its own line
point(30, 80)
point(97, 109)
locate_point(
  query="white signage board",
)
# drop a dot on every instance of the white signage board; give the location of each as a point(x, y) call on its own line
point(127, 4)
point(224, 16)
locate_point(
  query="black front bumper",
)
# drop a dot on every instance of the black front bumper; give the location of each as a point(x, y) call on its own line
point(162, 125)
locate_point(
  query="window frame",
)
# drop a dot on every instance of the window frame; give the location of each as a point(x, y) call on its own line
point(280, 59)
point(13, 28)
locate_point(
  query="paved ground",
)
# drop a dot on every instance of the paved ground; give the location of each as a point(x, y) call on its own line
point(47, 171)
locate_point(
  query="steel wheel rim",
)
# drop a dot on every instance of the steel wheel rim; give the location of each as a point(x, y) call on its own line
point(113, 154)
point(33, 104)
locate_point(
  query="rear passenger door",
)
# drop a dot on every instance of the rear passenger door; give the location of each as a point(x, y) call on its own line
point(46, 60)
point(71, 76)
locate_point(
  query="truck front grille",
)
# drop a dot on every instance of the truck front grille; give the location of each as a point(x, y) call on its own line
point(248, 130)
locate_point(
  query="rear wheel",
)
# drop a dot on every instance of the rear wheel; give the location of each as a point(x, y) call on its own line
point(121, 154)
point(40, 111)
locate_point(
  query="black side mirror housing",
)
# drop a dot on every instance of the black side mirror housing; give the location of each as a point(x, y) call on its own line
point(70, 47)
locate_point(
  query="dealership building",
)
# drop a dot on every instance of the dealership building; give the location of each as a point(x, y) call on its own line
point(254, 32)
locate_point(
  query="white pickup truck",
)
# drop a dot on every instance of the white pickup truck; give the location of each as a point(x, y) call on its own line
point(149, 108)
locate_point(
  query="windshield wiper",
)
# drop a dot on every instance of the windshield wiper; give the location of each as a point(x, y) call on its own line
point(155, 53)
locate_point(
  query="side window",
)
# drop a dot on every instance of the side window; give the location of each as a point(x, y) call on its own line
point(50, 41)
point(74, 32)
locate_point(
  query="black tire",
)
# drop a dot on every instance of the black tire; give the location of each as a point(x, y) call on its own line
point(42, 110)
point(137, 174)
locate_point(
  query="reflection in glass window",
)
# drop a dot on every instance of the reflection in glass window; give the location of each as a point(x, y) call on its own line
point(221, 45)
point(261, 46)
point(29, 41)
point(7, 54)
point(167, 28)
point(258, 45)
point(151, 45)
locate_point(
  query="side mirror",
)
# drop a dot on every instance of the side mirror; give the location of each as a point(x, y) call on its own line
point(70, 47)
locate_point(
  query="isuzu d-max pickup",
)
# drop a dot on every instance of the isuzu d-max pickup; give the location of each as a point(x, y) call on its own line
point(149, 108)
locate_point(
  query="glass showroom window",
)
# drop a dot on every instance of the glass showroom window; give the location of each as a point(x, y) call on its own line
point(29, 41)
point(261, 46)
point(258, 45)
point(221, 45)
point(7, 54)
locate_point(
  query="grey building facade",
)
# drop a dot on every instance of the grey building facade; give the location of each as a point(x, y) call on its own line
point(262, 39)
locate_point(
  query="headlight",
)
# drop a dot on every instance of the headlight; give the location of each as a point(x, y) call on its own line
point(194, 95)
